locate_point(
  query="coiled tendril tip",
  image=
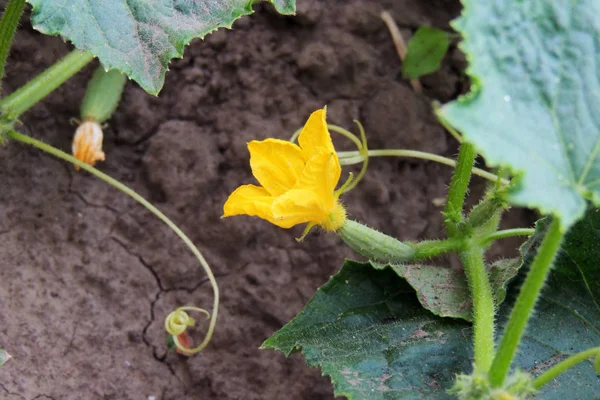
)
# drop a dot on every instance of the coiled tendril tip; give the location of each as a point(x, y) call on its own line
point(177, 323)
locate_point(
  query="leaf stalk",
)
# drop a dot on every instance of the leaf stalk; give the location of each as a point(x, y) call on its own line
point(8, 27)
point(564, 365)
point(528, 295)
point(458, 188)
point(507, 233)
point(39, 87)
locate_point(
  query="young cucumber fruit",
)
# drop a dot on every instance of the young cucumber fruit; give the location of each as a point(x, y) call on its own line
point(373, 244)
point(100, 101)
point(102, 95)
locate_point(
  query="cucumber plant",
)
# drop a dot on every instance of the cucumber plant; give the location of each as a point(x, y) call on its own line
point(392, 327)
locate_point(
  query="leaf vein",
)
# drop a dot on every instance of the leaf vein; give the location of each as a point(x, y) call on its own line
point(558, 128)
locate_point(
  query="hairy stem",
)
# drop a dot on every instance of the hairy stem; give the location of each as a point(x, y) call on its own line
point(483, 306)
point(39, 87)
point(355, 157)
point(8, 27)
point(113, 182)
point(432, 248)
point(564, 365)
point(523, 307)
point(506, 234)
point(458, 188)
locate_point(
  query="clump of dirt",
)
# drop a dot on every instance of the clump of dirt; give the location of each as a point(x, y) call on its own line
point(87, 276)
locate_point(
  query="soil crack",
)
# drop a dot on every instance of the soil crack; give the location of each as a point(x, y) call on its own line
point(11, 393)
point(92, 205)
point(143, 262)
point(160, 359)
point(81, 197)
point(161, 290)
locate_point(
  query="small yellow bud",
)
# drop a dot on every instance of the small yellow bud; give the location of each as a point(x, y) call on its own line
point(87, 143)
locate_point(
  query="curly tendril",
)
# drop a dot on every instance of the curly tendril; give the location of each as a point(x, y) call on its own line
point(177, 323)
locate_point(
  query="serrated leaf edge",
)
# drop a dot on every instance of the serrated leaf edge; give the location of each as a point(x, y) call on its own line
point(471, 95)
point(178, 53)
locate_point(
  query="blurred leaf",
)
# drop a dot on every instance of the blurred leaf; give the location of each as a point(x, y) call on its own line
point(4, 357)
point(425, 52)
point(534, 103)
point(139, 37)
point(366, 329)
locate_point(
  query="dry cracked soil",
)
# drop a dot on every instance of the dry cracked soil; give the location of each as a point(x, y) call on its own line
point(87, 275)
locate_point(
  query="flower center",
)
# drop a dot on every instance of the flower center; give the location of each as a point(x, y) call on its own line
point(335, 219)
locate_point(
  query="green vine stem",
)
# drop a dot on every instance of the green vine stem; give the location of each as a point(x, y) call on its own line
point(523, 307)
point(505, 234)
point(113, 182)
point(355, 157)
point(483, 306)
point(39, 87)
point(432, 248)
point(564, 365)
point(8, 27)
point(458, 187)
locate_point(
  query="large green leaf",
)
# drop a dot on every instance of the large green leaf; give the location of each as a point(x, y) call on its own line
point(366, 329)
point(535, 98)
point(139, 37)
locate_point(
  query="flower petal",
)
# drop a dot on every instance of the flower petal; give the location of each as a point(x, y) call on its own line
point(298, 206)
point(87, 143)
point(322, 174)
point(315, 135)
point(249, 200)
point(276, 164)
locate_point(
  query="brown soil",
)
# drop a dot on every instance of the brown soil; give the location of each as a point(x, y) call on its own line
point(87, 275)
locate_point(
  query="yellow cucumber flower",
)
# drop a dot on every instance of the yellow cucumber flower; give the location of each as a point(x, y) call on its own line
point(87, 143)
point(297, 182)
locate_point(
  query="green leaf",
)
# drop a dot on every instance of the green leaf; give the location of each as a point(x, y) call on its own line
point(425, 52)
point(535, 98)
point(366, 329)
point(574, 283)
point(4, 357)
point(139, 37)
point(501, 272)
point(444, 291)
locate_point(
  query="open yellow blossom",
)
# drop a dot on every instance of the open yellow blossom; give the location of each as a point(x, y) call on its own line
point(87, 143)
point(297, 182)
